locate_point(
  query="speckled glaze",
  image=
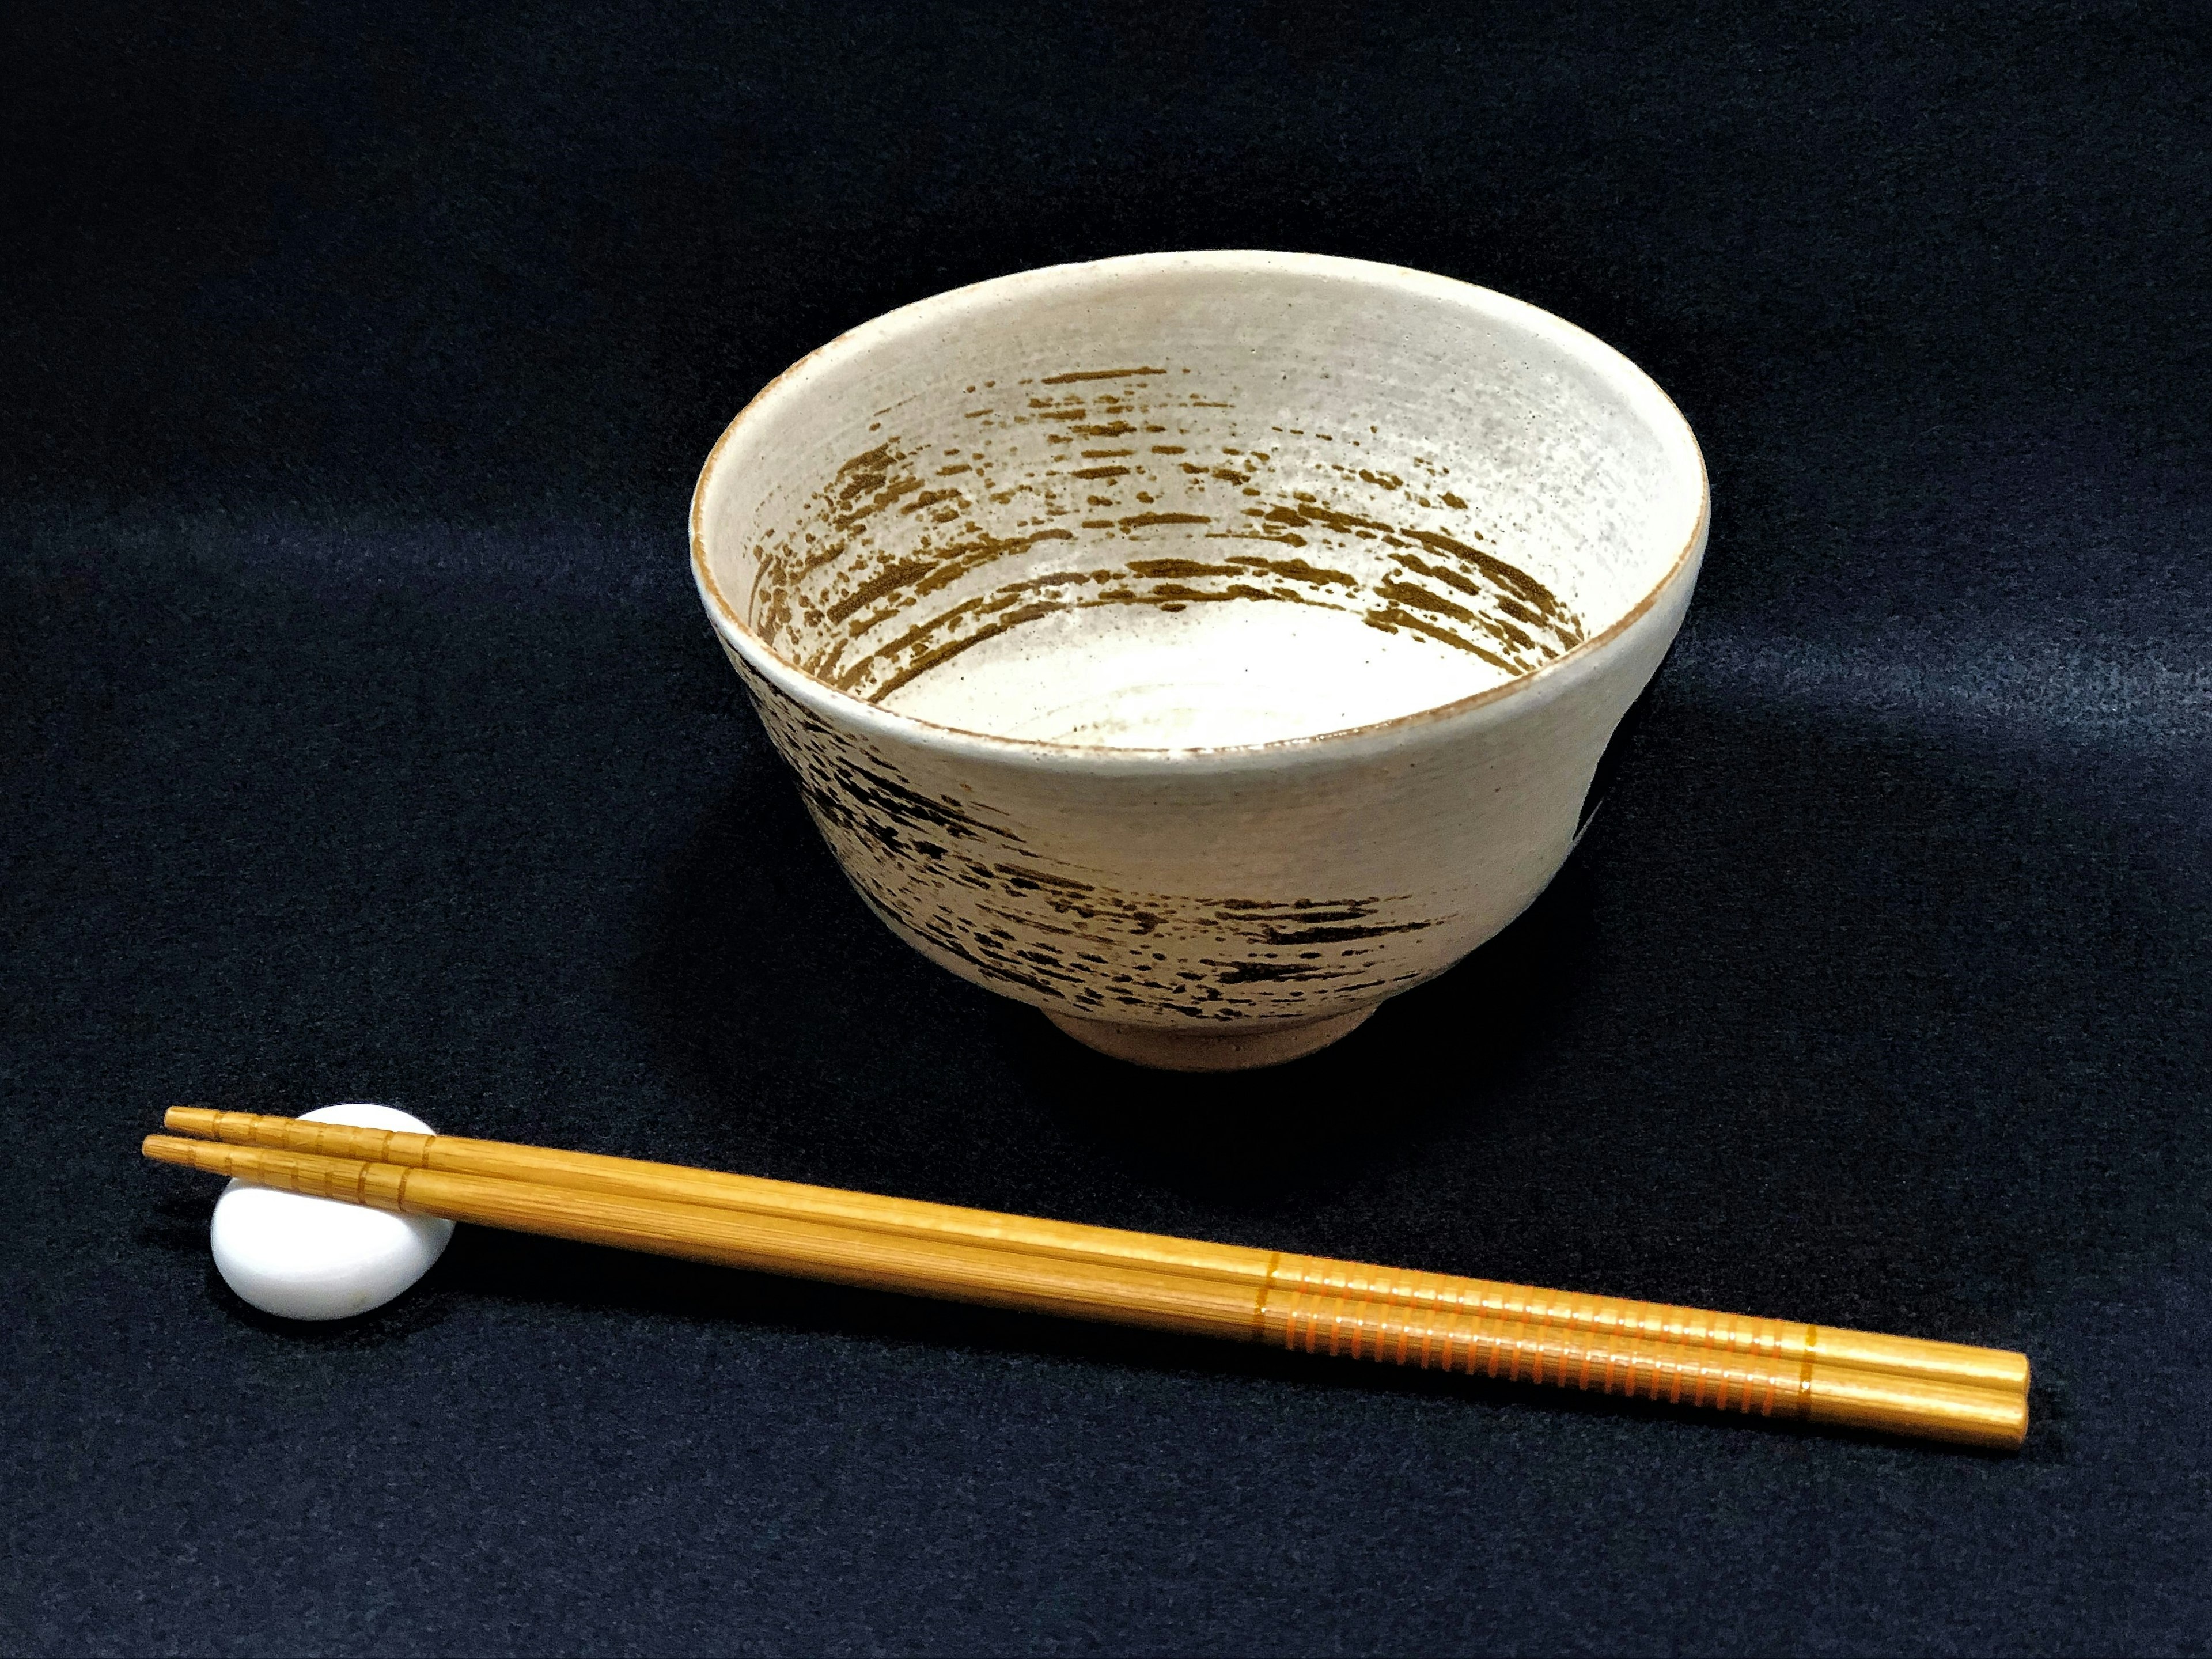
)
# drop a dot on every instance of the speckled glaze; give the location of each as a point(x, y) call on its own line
point(1201, 647)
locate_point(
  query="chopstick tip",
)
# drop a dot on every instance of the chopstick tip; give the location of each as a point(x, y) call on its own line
point(190, 1154)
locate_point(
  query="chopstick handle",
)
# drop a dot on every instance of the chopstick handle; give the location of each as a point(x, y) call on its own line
point(1332, 1297)
point(1759, 1368)
point(1305, 1303)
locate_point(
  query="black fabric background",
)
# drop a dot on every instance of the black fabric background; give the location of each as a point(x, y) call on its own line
point(363, 740)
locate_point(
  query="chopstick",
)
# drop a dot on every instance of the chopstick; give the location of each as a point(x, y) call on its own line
point(1762, 1367)
point(1904, 1356)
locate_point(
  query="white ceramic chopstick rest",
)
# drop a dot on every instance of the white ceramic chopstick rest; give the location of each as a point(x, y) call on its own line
point(314, 1258)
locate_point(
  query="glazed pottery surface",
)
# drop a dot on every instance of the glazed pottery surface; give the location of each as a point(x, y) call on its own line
point(1201, 647)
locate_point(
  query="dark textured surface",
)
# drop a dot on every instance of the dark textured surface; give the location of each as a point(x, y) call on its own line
point(360, 739)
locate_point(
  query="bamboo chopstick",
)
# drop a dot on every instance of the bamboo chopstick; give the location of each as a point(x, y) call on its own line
point(1905, 1356)
point(1761, 1367)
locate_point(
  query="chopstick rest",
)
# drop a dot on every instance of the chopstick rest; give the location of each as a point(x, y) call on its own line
point(302, 1257)
point(1761, 1367)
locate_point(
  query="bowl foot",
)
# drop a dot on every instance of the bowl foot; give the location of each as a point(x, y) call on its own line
point(1241, 1048)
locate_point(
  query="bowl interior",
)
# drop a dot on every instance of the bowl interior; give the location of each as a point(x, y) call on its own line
point(1195, 500)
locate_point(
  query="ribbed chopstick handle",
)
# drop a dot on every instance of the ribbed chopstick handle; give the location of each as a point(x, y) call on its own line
point(1645, 1350)
point(1517, 1334)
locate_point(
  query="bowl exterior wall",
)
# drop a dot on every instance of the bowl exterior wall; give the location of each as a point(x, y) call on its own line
point(1204, 889)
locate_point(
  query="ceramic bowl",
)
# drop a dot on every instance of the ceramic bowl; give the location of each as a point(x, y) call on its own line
point(1201, 647)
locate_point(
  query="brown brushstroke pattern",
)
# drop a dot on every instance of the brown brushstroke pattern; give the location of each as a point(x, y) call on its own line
point(951, 873)
point(1101, 488)
point(886, 574)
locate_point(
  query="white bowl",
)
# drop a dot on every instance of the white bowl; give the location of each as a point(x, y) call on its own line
point(1201, 647)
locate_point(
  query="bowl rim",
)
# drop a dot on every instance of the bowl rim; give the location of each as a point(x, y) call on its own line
point(1617, 368)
